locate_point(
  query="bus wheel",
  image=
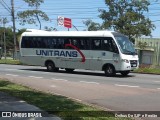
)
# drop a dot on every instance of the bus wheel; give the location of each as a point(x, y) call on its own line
point(124, 73)
point(51, 67)
point(109, 71)
point(69, 70)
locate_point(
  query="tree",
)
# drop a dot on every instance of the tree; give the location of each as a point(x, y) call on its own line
point(50, 28)
point(141, 45)
point(18, 34)
point(127, 17)
point(32, 16)
point(92, 26)
point(8, 37)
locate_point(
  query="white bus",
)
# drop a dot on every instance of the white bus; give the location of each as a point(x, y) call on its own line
point(106, 51)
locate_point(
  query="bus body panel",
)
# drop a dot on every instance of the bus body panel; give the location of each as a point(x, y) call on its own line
point(77, 58)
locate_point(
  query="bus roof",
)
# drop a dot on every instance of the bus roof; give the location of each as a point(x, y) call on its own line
point(68, 33)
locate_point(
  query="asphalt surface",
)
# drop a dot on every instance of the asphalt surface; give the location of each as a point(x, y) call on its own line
point(11, 107)
point(136, 92)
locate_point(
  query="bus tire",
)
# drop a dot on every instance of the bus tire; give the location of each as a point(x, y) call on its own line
point(125, 73)
point(69, 70)
point(51, 67)
point(109, 70)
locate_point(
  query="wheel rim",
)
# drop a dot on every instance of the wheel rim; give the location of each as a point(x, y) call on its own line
point(110, 70)
point(50, 67)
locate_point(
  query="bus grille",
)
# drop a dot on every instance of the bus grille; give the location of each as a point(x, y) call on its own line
point(133, 63)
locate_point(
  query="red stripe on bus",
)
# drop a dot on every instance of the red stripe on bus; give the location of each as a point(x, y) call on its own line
point(74, 47)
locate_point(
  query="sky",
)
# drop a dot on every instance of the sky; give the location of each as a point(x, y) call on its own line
point(78, 10)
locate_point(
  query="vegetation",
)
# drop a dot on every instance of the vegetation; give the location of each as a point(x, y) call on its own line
point(141, 45)
point(147, 69)
point(57, 105)
point(92, 26)
point(126, 17)
point(8, 36)
point(34, 15)
point(10, 61)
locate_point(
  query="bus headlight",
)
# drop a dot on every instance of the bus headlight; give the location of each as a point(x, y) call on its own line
point(125, 60)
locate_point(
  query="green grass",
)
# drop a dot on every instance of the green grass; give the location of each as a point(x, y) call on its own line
point(10, 61)
point(57, 105)
point(151, 70)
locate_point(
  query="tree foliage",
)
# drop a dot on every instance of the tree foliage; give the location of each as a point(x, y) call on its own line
point(127, 17)
point(8, 37)
point(50, 28)
point(141, 45)
point(92, 26)
point(32, 16)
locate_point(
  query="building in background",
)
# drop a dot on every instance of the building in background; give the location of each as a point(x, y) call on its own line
point(150, 53)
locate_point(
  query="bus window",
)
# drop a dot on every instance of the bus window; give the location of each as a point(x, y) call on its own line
point(60, 43)
point(108, 44)
point(24, 42)
point(96, 44)
point(84, 44)
point(105, 45)
point(51, 42)
point(27, 42)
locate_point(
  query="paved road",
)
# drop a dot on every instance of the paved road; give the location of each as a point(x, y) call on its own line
point(136, 92)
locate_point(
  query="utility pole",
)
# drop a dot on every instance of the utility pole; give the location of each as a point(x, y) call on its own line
point(4, 36)
point(14, 29)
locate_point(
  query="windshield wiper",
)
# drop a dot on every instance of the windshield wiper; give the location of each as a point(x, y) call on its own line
point(129, 52)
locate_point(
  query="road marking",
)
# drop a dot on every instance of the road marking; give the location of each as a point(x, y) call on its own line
point(156, 81)
point(35, 77)
point(126, 86)
point(59, 79)
point(158, 88)
point(89, 82)
point(53, 86)
point(12, 75)
point(11, 69)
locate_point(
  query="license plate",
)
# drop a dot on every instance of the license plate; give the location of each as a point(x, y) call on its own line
point(134, 65)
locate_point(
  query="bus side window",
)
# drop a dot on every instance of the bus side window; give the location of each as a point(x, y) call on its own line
point(113, 46)
point(60, 43)
point(96, 44)
point(44, 43)
point(75, 42)
point(51, 42)
point(67, 41)
point(34, 43)
point(82, 44)
point(105, 45)
point(24, 42)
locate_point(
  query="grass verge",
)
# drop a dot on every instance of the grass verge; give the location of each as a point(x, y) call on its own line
point(148, 70)
point(10, 61)
point(57, 105)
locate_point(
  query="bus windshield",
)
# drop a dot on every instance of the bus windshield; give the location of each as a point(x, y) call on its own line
point(125, 45)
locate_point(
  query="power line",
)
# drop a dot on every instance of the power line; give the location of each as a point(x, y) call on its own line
point(5, 6)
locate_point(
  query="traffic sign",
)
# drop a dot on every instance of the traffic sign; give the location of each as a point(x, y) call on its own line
point(66, 22)
point(60, 21)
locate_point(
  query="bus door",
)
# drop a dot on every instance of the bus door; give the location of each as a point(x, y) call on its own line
point(111, 54)
point(79, 50)
point(60, 53)
point(96, 54)
point(104, 51)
